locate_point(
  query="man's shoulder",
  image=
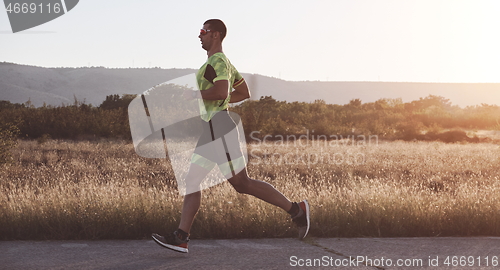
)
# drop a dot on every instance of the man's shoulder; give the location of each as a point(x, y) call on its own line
point(217, 57)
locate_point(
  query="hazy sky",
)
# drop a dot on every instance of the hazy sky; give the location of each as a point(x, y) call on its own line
point(401, 40)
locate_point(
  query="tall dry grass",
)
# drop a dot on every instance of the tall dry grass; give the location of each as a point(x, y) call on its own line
point(102, 189)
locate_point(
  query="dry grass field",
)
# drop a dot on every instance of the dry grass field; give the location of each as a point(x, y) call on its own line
point(102, 190)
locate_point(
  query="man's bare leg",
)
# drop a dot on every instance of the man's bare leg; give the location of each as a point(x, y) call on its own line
point(192, 200)
point(190, 207)
point(178, 240)
point(299, 211)
point(262, 190)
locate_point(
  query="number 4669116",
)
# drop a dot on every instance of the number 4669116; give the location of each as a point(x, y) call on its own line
point(471, 261)
point(33, 8)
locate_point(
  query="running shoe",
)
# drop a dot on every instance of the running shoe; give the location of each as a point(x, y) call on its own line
point(302, 219)
point(172, 241)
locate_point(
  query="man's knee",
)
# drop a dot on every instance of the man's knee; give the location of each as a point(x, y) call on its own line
point(240, 183)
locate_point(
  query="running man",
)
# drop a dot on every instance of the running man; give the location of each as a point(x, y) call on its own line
point(215, 79)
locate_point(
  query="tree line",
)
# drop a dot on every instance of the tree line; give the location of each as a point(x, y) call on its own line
point(386, 118)
point(423, 119)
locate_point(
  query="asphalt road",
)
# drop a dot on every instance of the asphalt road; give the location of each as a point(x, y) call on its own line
point(326, 253)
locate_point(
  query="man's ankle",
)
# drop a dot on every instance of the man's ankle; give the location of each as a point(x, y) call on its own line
point(294, 210)
point(182, 234)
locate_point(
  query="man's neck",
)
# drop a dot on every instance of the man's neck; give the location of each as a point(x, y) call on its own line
point(214, 50)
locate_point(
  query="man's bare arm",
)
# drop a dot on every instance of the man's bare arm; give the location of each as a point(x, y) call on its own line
point(219, 91)
point(240, 93)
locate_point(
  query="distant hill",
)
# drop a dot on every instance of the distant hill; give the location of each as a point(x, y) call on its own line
point(56, 86)
point(462, 94)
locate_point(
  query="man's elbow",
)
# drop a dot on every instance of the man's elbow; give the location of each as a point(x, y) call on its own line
point(246, 94)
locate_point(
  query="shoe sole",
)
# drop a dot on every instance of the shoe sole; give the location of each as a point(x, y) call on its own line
point(171, 247)
point(307, 218)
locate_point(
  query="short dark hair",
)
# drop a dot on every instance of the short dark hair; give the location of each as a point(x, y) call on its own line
point(219, 26)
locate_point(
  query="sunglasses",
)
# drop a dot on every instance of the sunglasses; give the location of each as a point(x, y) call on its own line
point(204, 31)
